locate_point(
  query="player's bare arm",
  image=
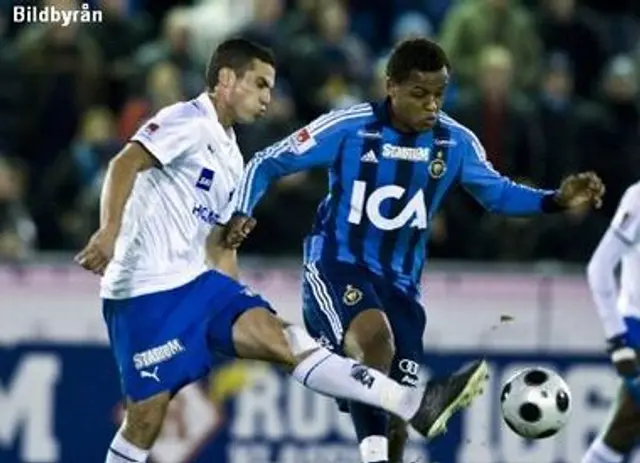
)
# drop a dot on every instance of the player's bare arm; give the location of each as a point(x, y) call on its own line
point(119, 180)
point(220, 256)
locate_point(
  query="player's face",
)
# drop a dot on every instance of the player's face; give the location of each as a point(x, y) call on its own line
point(251, 93)
point(417, 100)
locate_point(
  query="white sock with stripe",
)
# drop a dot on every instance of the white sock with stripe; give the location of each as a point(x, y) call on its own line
point(122, 451)
point(599, 452)
point(344, 378)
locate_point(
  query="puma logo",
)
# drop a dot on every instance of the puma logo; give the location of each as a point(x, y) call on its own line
point(152, 375)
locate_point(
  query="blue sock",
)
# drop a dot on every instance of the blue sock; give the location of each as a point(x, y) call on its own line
point(371, 425)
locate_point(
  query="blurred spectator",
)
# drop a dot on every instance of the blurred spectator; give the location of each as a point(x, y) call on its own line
point(173, 47)
point(212, 21)
point(68, 210)
point(570, 127)
point(407, 26)
point(410, 25)
point(505, 238)
point(570, 237)
point(264, 27)
point(17, 230)
point(378, 87)
point(14, 94)
point(329, 63)
point(472, 26)
point(501, 117)
point(63, 70)
point(619, 160)
point(567, 29)
point(298, 20)
point(118, 36)
point(162, 88)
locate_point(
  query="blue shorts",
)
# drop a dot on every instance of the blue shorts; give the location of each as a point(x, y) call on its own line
point(334, 293)
point(633, 331)
point(166, 340)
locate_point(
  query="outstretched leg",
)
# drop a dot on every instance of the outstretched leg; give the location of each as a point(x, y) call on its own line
point(258, 334)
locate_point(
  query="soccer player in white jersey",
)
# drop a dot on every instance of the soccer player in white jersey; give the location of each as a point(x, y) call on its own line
point(619, 311)
point(169, 287)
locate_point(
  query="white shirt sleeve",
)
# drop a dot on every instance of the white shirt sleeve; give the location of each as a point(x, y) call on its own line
point(626, 222)
point(623, 232)
point(167, 135)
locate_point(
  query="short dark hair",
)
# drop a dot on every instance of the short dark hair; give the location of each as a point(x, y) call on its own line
point(236, 54)
point(417, 54)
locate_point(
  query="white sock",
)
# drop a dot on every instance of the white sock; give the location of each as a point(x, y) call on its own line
point(599, 452)
point(344, 378)
point(374, 449)
point(122, 451)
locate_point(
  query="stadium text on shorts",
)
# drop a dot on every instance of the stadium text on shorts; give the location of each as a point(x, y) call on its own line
point(52, 14)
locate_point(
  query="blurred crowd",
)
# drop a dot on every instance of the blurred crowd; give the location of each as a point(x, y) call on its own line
point(550, 87)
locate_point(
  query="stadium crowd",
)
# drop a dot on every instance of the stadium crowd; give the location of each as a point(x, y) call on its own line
point(549, 86)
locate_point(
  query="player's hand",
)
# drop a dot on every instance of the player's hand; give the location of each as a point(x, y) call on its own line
point(98, 252)
point(584, 188)
point(237, 230)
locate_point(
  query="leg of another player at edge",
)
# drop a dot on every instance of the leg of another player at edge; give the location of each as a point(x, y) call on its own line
point(620, 435)
point(260, 335)
point(369, 340)
point(139, 430)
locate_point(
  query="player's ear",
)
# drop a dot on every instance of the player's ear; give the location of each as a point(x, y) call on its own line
point(226, 77)
point(391, 88)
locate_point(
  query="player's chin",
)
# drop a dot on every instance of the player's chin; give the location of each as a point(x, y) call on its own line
point(251, 118)
point(424, 125)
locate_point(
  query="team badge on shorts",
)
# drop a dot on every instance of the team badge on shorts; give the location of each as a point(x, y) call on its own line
point(352, 295)
point(437, 167)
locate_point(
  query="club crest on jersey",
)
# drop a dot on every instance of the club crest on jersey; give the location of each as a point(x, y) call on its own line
point(437, 167)
point(205, 180)
point(625, 220)
point(151, 128)
point(352, 295)
point(302, 141)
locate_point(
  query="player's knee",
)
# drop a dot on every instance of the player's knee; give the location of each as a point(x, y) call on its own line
point(299, 344)
point(370, 339)
point(144, 420)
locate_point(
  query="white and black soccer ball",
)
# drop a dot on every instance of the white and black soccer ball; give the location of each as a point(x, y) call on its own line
point(535, 403)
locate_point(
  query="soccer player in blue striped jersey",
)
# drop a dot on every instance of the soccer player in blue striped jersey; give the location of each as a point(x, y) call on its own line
point(390, 166)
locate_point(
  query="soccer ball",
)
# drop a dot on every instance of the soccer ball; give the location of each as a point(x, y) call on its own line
point(535, 403)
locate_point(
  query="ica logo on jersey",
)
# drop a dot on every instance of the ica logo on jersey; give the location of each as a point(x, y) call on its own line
point(414, 212)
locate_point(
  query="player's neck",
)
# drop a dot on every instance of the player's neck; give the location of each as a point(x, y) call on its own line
point(222, 110)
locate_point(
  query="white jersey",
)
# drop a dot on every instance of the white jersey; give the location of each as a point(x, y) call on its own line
point(620, 245)
point(172, 209)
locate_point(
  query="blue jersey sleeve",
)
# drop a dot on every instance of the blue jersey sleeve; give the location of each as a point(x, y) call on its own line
point(494, 191)
point(315, 145)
